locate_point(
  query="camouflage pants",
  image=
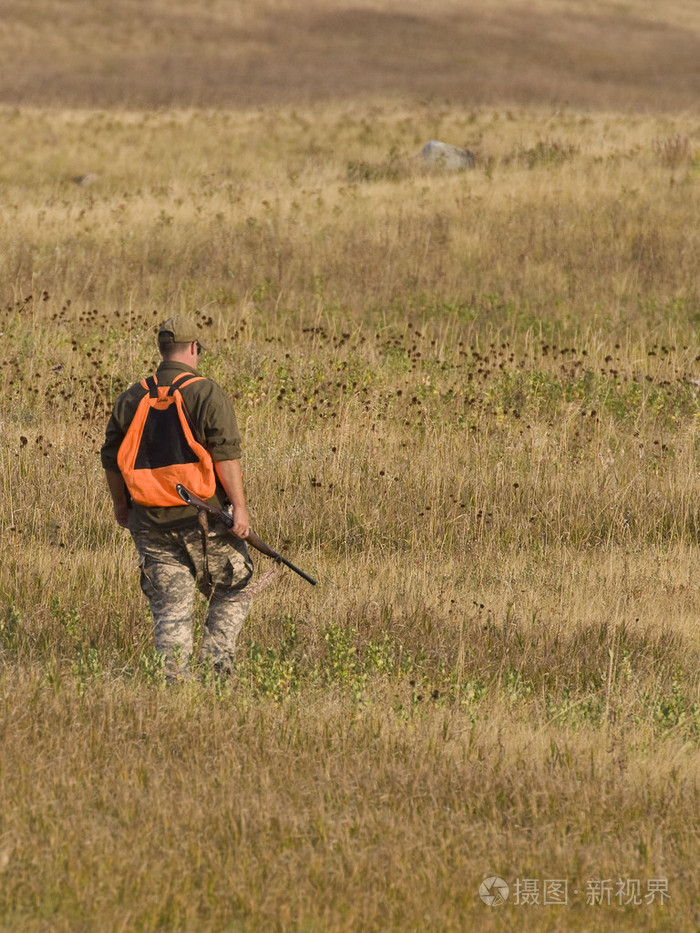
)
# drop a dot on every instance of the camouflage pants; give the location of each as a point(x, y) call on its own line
point(169, 562)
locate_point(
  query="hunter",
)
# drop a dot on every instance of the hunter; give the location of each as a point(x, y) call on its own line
point(179, 427)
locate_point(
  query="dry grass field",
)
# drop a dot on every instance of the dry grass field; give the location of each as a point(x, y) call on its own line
point(470, 409)
point(640, 54)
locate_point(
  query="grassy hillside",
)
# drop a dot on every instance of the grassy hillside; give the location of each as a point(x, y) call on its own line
point(470, 409)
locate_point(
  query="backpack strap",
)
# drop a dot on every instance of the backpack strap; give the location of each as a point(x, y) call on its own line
point(151, 384)
point(179, 382)
point(182, 380)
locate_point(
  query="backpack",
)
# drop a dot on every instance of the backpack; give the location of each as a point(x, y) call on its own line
point(159, 449)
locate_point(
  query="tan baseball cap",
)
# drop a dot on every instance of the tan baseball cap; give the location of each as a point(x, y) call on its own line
point(179, 329)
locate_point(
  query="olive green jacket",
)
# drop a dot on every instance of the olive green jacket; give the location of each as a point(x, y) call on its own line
point(215, 427)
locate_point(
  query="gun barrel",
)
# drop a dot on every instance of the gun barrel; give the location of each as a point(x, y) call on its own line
point(265, 548)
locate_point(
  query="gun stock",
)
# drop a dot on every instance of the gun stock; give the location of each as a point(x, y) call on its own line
point(252, 538)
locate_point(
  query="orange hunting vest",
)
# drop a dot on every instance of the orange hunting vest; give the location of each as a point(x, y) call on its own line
point(159, 449)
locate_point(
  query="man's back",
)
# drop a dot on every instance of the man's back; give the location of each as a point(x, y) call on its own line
point(214, 424)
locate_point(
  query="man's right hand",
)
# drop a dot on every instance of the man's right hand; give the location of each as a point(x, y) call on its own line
point(230, 477)
point(241, 523)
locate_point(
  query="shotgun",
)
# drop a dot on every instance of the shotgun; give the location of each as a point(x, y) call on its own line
point(252, 538)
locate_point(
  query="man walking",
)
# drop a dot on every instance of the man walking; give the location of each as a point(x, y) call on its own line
point(175, 427)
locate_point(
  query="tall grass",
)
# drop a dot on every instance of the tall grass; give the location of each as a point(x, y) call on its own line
point(469, 406)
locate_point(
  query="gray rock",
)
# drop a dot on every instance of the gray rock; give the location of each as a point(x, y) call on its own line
point(87, 179)
point(449, 158)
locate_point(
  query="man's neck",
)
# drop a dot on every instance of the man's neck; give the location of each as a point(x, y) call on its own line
point(177, 363)
point(189, 359)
